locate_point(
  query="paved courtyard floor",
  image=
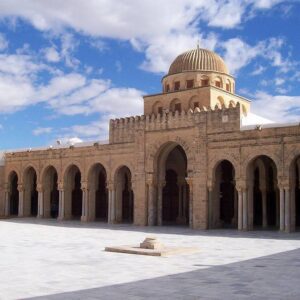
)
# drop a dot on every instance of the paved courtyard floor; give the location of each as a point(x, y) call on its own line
point(46, 259)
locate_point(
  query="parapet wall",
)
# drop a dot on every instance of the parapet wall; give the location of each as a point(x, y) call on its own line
point(215, 120)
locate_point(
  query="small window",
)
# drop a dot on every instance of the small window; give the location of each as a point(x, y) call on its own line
point(204, 82)
point(190, 84)
point(178, 107)
point(218, 84)
point(160, 110)
point(227, 87)
point(176, 85)
point(167, 88)
point(196, 104)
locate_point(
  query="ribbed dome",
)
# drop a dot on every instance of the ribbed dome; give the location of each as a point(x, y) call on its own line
point(198, 60)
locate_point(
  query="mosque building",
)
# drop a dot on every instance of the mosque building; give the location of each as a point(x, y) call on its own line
point(197, 157)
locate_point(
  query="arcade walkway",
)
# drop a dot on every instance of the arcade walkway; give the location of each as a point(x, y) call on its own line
point(52, 260)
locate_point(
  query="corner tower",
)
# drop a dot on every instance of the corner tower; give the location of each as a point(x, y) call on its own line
point(196, 78)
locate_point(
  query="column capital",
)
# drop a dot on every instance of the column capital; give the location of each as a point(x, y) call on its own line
point(39, 187)
point(241, 185)
point(84, 186)
point(210, 184)
point(60, 186)
point(189, 181)
point(20, 188)
point(110, 184)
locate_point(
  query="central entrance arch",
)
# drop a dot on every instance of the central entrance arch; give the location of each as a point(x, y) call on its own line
point(173, 190)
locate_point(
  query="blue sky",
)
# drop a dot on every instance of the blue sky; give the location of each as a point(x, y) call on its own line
point(67, 67)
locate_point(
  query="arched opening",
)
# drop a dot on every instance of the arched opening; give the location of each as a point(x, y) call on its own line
point(157, 108)
point(218, 82)
point(295, 192)
point(194, 102)
point(204, 81)
point(98, 194)
point(13, 194)
point(51, 193)
point(175, 105)
point(30, 193)
point(228, 85)
point(264, 193)
point(224, 206)
point(73, 193)
point(221, 101)
point(173, 190)
point(124, 196)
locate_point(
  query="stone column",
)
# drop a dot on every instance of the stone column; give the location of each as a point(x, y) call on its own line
point(245, 210)
point(189, 181)
point(161, 185)
point(250, 206)
point(240, 209)
point(85, 202)
point(61, 202)
point(111, 202)
point(21, 200)
point(282, 209)
point(40, 201)
point(6, 204)
point(151, 208)
point(210, 206)
point(264, 208)
point(287, 209)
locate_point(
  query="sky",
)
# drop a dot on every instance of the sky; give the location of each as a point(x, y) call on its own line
point(67, 67)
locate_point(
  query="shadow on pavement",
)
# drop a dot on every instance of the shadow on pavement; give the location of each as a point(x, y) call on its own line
point(271, 277)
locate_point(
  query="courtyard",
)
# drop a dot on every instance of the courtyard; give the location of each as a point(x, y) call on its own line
point(46, 259)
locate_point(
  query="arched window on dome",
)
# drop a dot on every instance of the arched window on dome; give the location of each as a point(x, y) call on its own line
point(204, 81)
point(228, 85)
point(175, 105)
point(219, 82)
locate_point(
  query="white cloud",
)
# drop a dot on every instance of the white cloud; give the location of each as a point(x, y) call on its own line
point(51, 54)
point(3, 42)
point(174, 30)
point(279, 108)
point(41, 130)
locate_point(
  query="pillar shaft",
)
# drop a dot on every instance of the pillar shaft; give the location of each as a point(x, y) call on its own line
point(6, 207)
point(287, 210)
point(240, 210)
point(61, 204)
point(40, 204)
point(21, 203)
point(282, 210)
point(151, 209)
point(245, 210)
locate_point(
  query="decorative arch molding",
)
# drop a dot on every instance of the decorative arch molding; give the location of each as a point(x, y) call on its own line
point(45, 169)
point(215, 161)
point(155, 149)
point(261, 152)
point(28, 166)
point(67, 166)
point(291, 156)
point(92, 164)
point(118, 167)
point(10, 171)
